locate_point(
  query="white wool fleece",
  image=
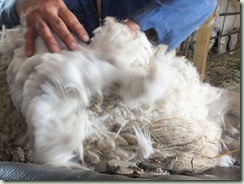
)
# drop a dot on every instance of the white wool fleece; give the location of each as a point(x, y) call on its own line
point(108, 99)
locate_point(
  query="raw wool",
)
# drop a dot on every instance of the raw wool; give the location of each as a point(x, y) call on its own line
point(13, 129)
point(88, 104)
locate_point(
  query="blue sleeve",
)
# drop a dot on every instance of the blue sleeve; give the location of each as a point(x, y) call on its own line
point(8, 13)
point(174, 20)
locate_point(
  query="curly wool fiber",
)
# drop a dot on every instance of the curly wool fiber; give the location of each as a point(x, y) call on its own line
point(117, 98)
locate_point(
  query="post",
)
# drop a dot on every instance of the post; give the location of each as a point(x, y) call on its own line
point(201, 52)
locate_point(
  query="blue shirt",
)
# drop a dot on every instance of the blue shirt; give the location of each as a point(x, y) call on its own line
point(172, 20)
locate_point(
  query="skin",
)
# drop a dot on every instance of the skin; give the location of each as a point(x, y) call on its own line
point(41, 17)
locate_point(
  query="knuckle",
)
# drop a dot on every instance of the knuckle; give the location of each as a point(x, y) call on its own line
point(68, 16)
point(72, 21)
point(41, 26)
point(67, 37)
point(56, 23)
point(29, 33)
point(46, 8)
point(65, 10)
point(29, 17)
point(48, 38)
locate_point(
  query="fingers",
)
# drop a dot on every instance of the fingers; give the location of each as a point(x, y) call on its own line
point(30, 41)
point(73, 23)
point(39, 26)
point(46, 17)
point(45, 33)
point(60, 28)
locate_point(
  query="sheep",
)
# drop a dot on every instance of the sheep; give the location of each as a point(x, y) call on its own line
point(120, 97)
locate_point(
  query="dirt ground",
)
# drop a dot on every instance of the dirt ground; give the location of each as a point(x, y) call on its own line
point(224, 71)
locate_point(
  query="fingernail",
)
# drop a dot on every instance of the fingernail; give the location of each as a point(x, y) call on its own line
point(73, 46)
point(55, 48)
point(85, 38)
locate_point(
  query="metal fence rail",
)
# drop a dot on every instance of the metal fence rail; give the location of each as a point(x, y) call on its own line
point(190, 43)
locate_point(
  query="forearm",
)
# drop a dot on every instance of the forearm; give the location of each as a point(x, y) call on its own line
point(174, 20)
point(8, 13)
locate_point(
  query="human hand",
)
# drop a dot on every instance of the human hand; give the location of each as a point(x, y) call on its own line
point(134, 27)
point(41, 17)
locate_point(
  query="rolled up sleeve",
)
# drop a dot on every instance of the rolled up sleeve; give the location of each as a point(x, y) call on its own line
point(8, 13)
point(174, 20)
